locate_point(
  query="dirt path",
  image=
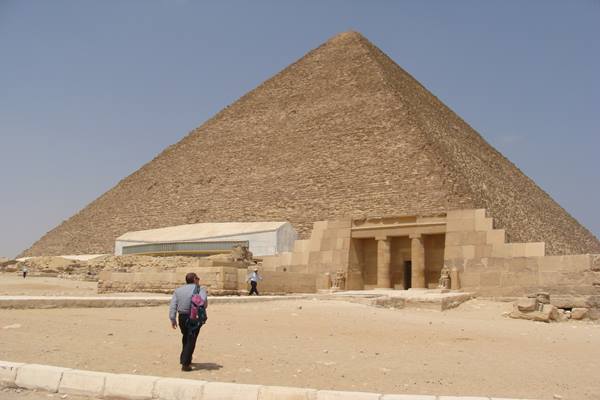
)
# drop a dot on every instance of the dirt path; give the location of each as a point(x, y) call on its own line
point(471, 350)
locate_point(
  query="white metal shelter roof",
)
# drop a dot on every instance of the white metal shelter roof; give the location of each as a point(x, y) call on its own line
point(204, 231)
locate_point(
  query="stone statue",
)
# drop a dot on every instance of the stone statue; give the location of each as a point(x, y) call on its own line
point(444, 282)
point(241, 253)
point(340, 280)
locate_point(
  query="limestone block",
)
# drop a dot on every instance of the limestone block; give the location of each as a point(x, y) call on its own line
point(8, 373)
point(522, 264)
point(484, 224)
point(285, 258)
point(35, 376)
point(549, 279)
point(453, 239)
point(286, 393)
point(592, 302)
point(516, 249)
point(496, 236)
point(340, 224)
point(301, 245)
point(314, 257)
point(105, 276)
point(470, 279)
point(408, 397)
point(594, 314)
point(83, 383)
point(460, 225)
point(135, 387)
point(178, 389)
point(270, 262)
point(519, 279)
point(227, 391)
point(497, 264)
point(326, 257)
point(336, 395)
point(299, 258)
point(500, 251)
point(547, 314)
point(327, 243)
point(535, 249)
point(579, 262)
point(550, 263)
point(483, 251)
point(462, 214)
point(468, 252)
point(579, 313)
point(452, 253)
point(320, 225)
point(490, 279)
point(527, 304)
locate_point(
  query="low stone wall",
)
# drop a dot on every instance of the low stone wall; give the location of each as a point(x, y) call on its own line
point(559, 275)
point(219, 280)
point(278, 282)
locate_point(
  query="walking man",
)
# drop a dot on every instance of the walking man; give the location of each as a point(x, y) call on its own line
point(253, 279)
point(181, 304)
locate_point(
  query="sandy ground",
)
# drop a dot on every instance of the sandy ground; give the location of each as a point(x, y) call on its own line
point(471, 350)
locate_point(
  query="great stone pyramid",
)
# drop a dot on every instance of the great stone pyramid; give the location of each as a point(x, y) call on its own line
point(343, 131)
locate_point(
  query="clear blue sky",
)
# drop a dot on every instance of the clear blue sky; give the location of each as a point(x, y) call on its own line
point(92, 90)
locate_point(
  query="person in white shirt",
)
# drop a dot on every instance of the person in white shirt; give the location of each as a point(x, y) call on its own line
point(253, 278)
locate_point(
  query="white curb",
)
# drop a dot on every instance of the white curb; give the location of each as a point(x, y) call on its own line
point(8, 373)
point(336, 395)
point(178, 389)
point(134, 387)
point(143, 387)
point(85, 383)
point(229, 391)
point(35, 376)
point(287, 393)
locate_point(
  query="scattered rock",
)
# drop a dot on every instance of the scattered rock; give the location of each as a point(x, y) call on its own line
point(579, 313)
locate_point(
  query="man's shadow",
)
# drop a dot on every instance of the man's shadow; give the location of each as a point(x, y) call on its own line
point(209, 366)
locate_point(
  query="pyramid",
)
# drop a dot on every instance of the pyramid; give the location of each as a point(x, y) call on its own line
point(342, 131)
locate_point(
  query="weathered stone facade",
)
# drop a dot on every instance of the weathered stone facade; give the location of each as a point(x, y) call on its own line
point(343, 131)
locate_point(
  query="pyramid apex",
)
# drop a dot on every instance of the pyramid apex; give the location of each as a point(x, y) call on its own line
point(347, 36)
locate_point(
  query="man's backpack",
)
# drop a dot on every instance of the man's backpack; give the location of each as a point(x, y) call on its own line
point(197, 310)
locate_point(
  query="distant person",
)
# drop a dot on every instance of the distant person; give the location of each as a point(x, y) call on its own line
point(24, 270)
point(181, 305)
point(253, 278)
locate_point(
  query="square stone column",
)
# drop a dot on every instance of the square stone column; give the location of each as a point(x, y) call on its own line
point(417, 250)
point(384, 278)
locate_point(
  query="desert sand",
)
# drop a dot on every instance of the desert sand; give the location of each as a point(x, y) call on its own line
point(324, 344)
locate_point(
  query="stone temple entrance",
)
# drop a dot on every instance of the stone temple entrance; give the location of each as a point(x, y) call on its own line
point(396, 254)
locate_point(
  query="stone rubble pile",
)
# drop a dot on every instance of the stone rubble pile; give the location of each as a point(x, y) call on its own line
point(538, 307)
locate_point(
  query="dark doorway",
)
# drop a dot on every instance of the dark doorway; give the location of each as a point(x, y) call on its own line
point(407, 274)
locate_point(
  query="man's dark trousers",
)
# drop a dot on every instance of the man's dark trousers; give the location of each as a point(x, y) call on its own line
point(253, 288)
point(188, 340)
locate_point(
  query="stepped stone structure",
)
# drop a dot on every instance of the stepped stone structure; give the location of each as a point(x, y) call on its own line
point(344, 131)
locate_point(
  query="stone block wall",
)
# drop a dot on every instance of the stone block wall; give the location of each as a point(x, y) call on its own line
point(325, 252)
point(280, 282)
point(491, 267)
point(219, 280)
